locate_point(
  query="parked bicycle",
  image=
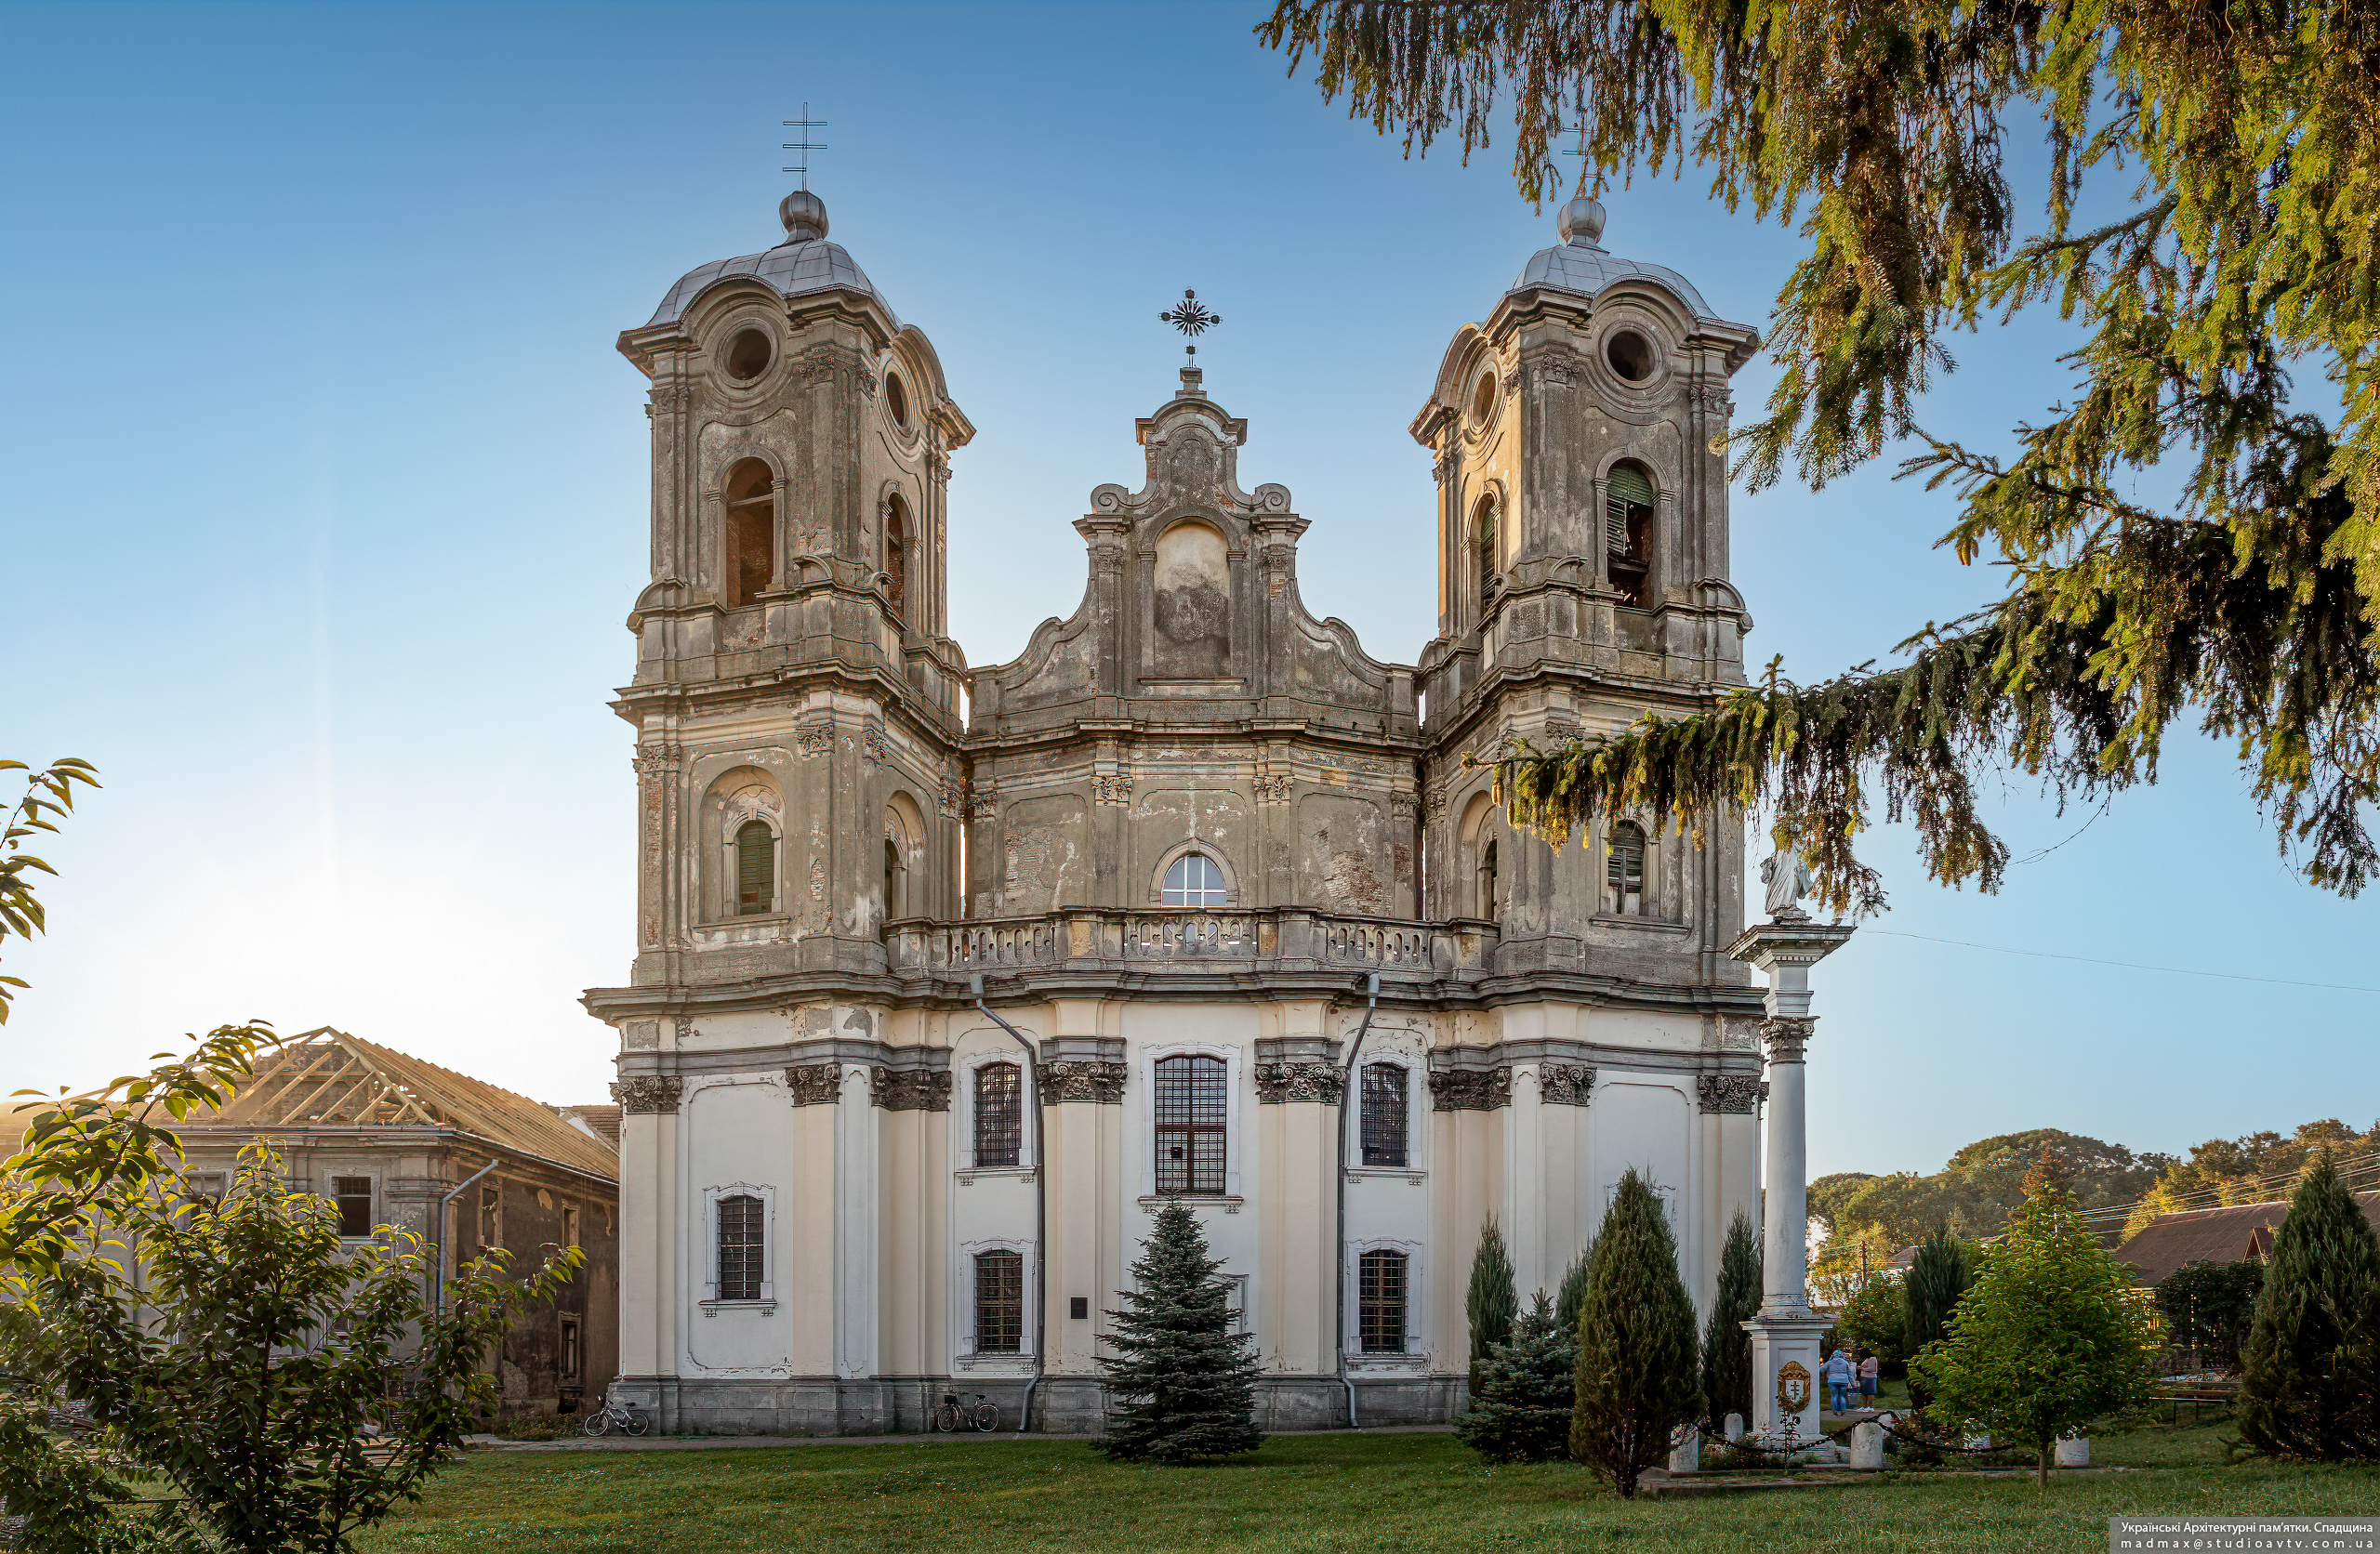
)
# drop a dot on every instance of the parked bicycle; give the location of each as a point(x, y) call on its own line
point(613, 1416)
point(955, 1416)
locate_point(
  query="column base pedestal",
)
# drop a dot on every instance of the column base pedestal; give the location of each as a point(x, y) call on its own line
point(1783, 1337)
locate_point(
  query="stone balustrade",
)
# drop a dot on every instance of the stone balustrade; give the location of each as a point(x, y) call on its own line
point(1282, 939)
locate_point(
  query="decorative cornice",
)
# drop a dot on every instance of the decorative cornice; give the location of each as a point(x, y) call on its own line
point(1786, 1038)
point(1736, 1094)
point(816, 1083)
point(1081, 1079)
point(1277, 1083)
point(1564, 1084)
point(1471, 1089)
point(648, 1092)
point(910, 1089)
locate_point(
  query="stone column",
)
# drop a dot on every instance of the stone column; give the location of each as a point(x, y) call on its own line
point(1785, 1335)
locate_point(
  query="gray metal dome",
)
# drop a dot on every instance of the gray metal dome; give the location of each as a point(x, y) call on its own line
point(803, 263)
point(1582, 266)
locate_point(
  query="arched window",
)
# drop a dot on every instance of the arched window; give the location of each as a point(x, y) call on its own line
point(1384, 1115)
point(999, 1115)
point(1484, 888)
point(1192, 1108)
point(756, 869)
point(1380, 1303)
point(1195, 880)
point(1483, 546)
point(896, 557)
point(1623, 871)
point(751, 532)
point(896, 882)
point(1628, 529)
point(999, 1303)
point(740, 1248)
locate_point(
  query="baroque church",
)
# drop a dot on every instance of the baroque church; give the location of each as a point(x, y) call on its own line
point(948, 978)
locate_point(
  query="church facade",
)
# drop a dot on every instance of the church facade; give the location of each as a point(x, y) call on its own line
point(1196, 844)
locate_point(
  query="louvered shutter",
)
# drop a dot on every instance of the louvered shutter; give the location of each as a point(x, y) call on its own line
point(755, 869)
point(1627, 487)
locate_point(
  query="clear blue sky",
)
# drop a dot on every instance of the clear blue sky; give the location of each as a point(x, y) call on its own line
point(325, 500)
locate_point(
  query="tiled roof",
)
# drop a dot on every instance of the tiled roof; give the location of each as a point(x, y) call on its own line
point(2221, 1236)
point(327, 1078)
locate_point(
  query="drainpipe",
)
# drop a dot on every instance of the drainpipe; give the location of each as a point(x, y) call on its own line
point(1348, 1102)
point(438, 1267)
point(1040, 1204)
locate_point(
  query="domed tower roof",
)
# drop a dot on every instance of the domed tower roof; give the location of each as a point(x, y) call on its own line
point(805, 263)
point(1582, 266)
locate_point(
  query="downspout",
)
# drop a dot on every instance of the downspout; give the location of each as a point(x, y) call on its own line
point(1348, 1101)
point(1040, 1204)
point(438, 1266)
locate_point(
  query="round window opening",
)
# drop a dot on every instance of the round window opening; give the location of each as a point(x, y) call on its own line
point(1483, 398)
point(748, 355)
point(896, 400)
point(1630, 355)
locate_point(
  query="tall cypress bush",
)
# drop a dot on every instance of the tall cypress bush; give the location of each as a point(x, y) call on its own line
point(1491, 1304)
point(1573, 1293)
point(2309, 1378)
point(1937, 1281)
point(1182, 1385)
point(1726, 1347)
point(1638, 1374)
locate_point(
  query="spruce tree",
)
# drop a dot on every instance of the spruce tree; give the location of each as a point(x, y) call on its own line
point(1573, 1293)
point(1491, 1305)
point(1521, 1411)
point(1182, 1387)
point(1937, 1279)
point(2309, 1379)
point(1637, 1378)
point(1726, 1347)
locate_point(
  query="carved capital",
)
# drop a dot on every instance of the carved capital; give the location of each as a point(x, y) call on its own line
point(816, 738)
point(1714, 400)
point(1564, 1084)
point(954, 796)
point(671, 397)
point(1403, 806)
point(1087, 1079)
point(1274, 788)
point(1736, 1094)
point(872, 745)
point(1471, 1089)
point(1787, 1039)
point(648, 1092)
point(815, 1084)
point(1112, 790)
point(1277, 1083)
point(909, 1089)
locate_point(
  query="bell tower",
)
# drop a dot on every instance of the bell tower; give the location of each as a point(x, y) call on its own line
point(1582, 581)
point(796, 693)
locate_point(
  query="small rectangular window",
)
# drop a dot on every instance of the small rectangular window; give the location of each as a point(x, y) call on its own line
point(353, 1196)
point(1381, 1302)
point(999, 1303)
point(1384, 1115)
point(571, 1359)
point(570, 1225)
point(740, 1247)
point(208, 1185)
point(999, 1120)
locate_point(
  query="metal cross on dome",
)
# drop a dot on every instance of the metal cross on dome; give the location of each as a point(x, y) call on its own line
point(1192, 317)
point(805, 145)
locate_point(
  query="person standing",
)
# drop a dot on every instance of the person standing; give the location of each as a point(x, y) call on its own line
point(1839, 1377)
point(1871, 1371)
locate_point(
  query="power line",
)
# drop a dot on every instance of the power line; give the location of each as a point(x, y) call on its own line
point(2354, 1166)
point(2127, 965)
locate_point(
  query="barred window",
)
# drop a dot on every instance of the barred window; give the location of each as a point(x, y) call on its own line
point(1191, 1107)
point(1380, 1303)
point(1195, 880)
point(353, 1196)
point(1624, 870)
point(1384, 1115)
point(999, 1303)
point(739, 1248)
point(999, 1121)
point(1483, 556)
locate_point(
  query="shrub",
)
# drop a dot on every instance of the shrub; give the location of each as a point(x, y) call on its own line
point(1521, 1412)
point(2309, 1376)
point(1876, 1319)
point(1637, 1380)
point(2207, 1307)
point(1491, 1304)
point(1937, 1281)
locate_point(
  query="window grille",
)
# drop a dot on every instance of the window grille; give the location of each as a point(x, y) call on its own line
point(1383, 1114)
point(999, 1303)
point(353, 1196)
point(1191, 1107)
point(756, 868)
point(1624, 870)
point(1195, 880)
point(999, 1120)
point(1380, 1303)
point(740, 1248)
point(1486, 546)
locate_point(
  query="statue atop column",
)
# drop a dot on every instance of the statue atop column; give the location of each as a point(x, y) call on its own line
point(1788, 879)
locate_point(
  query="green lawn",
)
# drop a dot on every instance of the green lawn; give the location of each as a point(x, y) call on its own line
point(1355, 1493)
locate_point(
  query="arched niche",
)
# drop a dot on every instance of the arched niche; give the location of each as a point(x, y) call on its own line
point(1190, 634)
